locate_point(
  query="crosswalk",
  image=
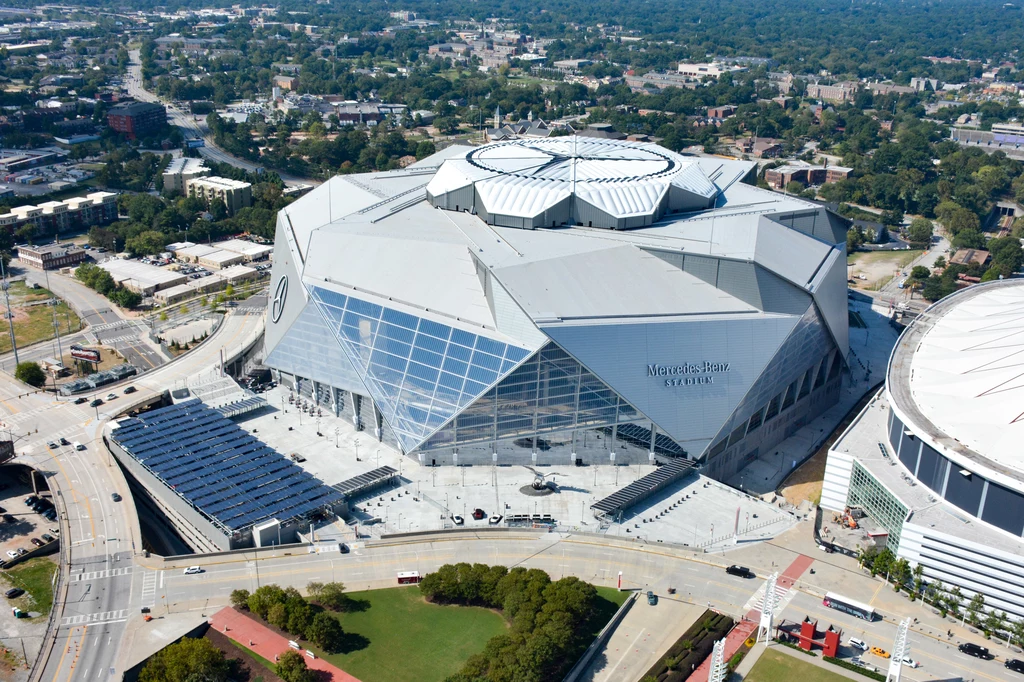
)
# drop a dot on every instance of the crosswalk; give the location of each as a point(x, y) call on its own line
point(96, 575)
point(96, 618)
point(149, 589)
point(756, 602)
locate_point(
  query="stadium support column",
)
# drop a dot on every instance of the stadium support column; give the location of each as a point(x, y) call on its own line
point(654, 441)
point(718, 671)
point(356, 399)
point(900, 649)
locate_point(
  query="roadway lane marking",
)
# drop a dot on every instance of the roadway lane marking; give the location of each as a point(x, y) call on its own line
point(67, 648)
point(96, 618)
point(95, 575)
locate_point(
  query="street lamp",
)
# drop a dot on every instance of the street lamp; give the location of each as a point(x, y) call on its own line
point(337, 436)
point(357, 449)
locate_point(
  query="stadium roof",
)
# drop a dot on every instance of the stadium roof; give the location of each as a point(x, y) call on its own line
point(218, 468)
point(958, 375)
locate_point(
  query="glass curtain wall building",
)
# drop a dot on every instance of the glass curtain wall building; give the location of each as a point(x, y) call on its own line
point(562, 302)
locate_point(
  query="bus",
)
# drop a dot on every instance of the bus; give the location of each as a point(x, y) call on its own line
point(847, 605)
point(408, 577)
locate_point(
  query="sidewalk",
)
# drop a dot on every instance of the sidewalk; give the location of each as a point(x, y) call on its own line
point(266, 642)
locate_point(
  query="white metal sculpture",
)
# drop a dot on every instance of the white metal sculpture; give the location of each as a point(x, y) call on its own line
point(764, 628)
point(900, 650)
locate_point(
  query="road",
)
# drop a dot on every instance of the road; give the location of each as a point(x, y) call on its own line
point(891, 291)
point(193, 129)
point(102, 535)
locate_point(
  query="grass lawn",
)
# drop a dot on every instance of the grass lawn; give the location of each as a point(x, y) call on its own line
point(399, 637)
point(33, 323)
point(269, 665)
point(775, 666)
point(35, 576)
point(899, 258)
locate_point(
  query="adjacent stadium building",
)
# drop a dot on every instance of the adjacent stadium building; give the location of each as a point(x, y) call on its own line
point(557, 301)
point(935, 460)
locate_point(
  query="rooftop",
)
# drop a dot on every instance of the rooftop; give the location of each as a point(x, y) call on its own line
point(956, 373)
point(222, 471)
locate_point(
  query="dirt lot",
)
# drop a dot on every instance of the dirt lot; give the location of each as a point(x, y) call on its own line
point(876, 267)
point(33, 323)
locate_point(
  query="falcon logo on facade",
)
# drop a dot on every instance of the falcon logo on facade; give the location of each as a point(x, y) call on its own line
point(280, 295)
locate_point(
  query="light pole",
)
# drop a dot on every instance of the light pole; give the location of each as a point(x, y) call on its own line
point(378, 458)
point(337, 436)
point(357, 448)
point(10, 314)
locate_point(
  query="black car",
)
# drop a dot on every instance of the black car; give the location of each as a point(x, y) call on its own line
point(115, 497)
point(740, 571)
point(972, 649)
point(96, 403)
point(31, 499)
point(1015, 664)
point(79, 401)
point(50, 514)
point(130, 389)
point(14, 592)
point(65, 441)
point(343, 548)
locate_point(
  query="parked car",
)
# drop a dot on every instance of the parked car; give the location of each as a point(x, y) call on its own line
point(458, 520)
point(14, 592)
point(858, 643)
point(880, 652)
point(479, 514)
point(495, 519)
point(1015, 664)
point(740, 571)
point(12, 553)
point(37, 542)
point(47, 537)
point(55, 531)
point(975, 650)
point(50, 515)
point(31, 499)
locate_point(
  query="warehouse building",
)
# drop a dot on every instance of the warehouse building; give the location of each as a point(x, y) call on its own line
point(562, 300)
point(141, 278)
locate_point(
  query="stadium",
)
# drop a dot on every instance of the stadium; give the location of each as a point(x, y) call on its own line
point(562, 301)
point(935, 460)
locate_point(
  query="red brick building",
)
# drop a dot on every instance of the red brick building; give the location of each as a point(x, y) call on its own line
point(136, 119)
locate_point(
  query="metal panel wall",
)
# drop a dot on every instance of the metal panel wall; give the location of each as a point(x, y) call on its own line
point(702, 267)
point(740, 280)
point(1004, 508)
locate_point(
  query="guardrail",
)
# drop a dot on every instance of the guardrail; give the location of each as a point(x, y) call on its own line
point(61, 588)
point(584, 662)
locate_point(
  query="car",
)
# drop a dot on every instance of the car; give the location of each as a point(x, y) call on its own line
point(22, 551)
point(130, 389)
point(972, 649)
point(51, 445)
point(65, 441)
point(115, 497)
point(78, 446)
point(31, 499)
point(910, 663)
point(111, 396)
point(192, 570)
point(12, 553)
point(1014, 664)
point(495, 519)
point(37, 542)
point(343, 548)
point(50, 515)
point(458, 520)
point(880, 652)
point(47, 537)
point(858, 643)
point(55, 531)
point(652, 598)
point(479, 514)
point(96, 403)
point(740, 571)
point(80, 400)
point(14, 592)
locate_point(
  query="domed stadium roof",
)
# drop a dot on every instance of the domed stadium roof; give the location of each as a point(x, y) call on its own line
point(571, 180)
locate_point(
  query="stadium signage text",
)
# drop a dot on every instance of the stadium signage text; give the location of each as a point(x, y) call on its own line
point(686, 374)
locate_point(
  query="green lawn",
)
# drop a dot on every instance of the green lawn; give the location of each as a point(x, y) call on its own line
point(899, 258)
point(269, 665)
point(775, 666)
point(35, 576)
point(33, 323)
point(399, 637)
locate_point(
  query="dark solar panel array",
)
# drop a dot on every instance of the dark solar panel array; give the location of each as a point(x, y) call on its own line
point(642, 488)
point(363, 482)
point(224, 472)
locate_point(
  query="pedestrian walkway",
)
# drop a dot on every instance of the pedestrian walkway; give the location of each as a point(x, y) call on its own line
point(747, 627)
point(267, 643)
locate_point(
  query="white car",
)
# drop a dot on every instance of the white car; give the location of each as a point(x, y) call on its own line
point(192, 570)
point(908, 661)
point(11, 553)
point(458, 520)
point(858, 643)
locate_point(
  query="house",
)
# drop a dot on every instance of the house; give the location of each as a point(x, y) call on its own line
point(970, 257)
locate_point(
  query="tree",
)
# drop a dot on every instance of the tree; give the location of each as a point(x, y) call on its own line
point(918, 574)
point(146, 243)
point(794, 187)
point(954, 600)
point(185, 661)
point(995, 622)
point(1018, 631)
point(940, 262)
point(974, 607)
point(332, 596)
point(920, 272)
point(325, 631)
point(291, 667)
point(240, 599)
point(277, 615)
point(30, 373)
point(265, 597)
point(920, 231)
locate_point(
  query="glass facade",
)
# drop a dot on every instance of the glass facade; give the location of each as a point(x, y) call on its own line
point(880, 504)
point(309, 349)
point(549, 393)
point(419, 372)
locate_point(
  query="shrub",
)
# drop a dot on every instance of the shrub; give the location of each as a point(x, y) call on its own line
point(30, 373)
point(690, 650)
point(855, 668)
point(240, 599)
point(291, 667)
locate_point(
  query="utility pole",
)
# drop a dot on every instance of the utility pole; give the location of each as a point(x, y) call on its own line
point(10, 314)
point(56, 322)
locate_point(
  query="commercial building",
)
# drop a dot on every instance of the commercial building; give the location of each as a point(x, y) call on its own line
point(213, 481)
point(51, 256)
point(713, 69)
point(140, 277)
point(562, 300)
point(181, 170)
point(251, 251)
point(236, 274)
point(235, 194)
point(55, 217)
point(780, 176)
point(839, 92)
point(935, 460)
point(135, 119)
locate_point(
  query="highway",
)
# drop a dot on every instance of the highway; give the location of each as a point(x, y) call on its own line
point(193, 129)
